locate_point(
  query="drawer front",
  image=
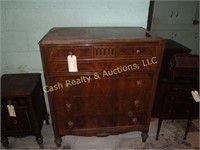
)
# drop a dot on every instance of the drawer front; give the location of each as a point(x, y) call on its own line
point(126, 84)
point(101, 104)
point(87, 122)
point(183, 88)
point(17, 102)
point(182, 111)
point(136, 51)
point(179, 98)
point(20, 123)
point(61, 52)
point(124, 51)
point(116, 66)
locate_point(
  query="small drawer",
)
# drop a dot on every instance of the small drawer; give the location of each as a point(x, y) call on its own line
point(186, 89)
point(20, 123)
point(135, 51)
point(60, 53)
point(178, 111)
point(179, 98)
point(17, 102)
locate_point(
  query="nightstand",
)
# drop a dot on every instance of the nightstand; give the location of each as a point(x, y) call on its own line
point(23, 108)
point(177, 101)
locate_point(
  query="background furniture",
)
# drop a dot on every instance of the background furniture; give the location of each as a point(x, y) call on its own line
point(177, 101)
point(123, 66)
point(173, 98)
point(23, 92)
point(176, 20)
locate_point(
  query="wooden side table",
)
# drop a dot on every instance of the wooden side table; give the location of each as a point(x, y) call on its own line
point(23, 107)
point(177, 101)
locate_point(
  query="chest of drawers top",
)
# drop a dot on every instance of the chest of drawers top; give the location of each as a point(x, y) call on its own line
point(86, 35)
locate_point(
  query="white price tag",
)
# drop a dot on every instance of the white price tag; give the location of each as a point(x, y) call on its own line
point(11, 110)
point(72, 63)
point(196, 96)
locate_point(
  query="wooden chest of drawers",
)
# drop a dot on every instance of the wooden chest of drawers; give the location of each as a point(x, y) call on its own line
point(114, 88)
point(24, 92)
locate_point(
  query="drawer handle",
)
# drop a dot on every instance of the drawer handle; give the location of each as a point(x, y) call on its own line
point(137, 103)
point(68, 106)
point(15, 121)
point(138, 51)
point(134, 120)
point(70, 124)
point(130, 114)
point(172, 98)
point(9, 102)
point(70, 53)
point(169, 111)
point(139, 82)
point(175, 89)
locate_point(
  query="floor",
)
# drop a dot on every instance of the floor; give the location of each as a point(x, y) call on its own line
point(171, 137)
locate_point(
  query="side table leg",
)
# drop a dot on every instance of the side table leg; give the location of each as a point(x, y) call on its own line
point(187, 128)
point(158, 129)
point(5, 142)
point(39, 140)
point(47, 119)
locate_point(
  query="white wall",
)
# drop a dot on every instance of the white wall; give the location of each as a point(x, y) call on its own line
point(24, 22)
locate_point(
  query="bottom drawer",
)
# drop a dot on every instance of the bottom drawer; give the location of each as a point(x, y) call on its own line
point(178, 110)
point(86, 122)
point(20, 123)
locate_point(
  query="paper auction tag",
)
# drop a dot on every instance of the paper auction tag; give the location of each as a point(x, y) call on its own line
point(72, 63)
point(11, 111)
point(196, 96)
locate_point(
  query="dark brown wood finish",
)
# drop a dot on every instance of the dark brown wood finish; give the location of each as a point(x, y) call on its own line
point(25, 93)
point(113, 104)
point(171, 48)
point(176, 100)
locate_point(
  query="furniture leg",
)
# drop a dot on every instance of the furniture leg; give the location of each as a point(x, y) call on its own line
point(158, 129)
point(5, 142)
point(47, 119)
point(144, 136)
point(58, 141)
point(187, 128)
point(39, 140)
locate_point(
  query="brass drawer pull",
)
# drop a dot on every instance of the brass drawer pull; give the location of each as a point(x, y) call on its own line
point(139, 82)
point(130, 114)
point(15, 121)
point(138, 51)
point(137, 103)
point(175, 89)
point(70, 124)
point(68, 106)
point(134, 120)
point(70, 53)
